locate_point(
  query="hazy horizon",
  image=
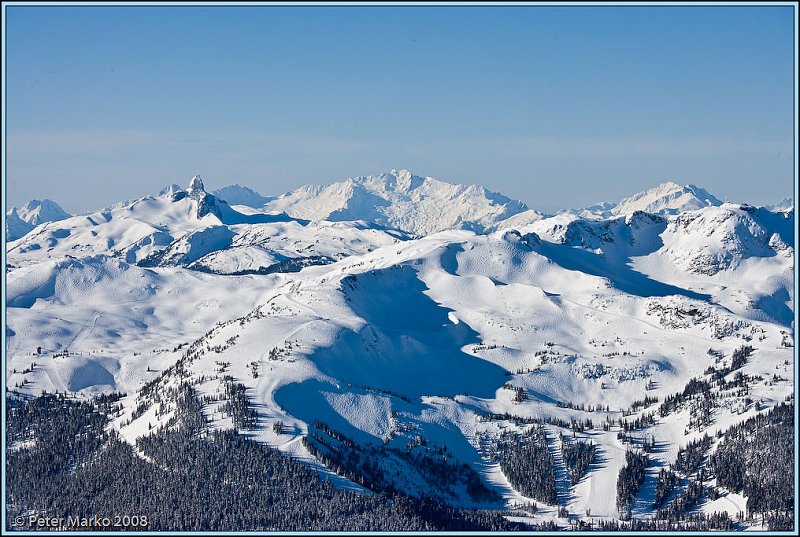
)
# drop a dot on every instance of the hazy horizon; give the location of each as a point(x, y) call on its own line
point(559, 107)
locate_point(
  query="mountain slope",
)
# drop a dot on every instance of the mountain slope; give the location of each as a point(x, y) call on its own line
point(16, 227)
point(130, 231)
point(422, 339)
point(739, 256)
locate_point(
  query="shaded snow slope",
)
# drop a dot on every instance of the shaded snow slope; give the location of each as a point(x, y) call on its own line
point(16, 227)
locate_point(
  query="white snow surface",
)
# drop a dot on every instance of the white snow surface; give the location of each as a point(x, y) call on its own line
point(396, 337)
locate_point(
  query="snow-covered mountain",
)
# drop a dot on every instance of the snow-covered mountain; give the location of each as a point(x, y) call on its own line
point(335, 337)
point(167, 191)
point(129, 231)
point(20, 222)
point(16, 227)
point(37, 212)
point(196, 229)
point(402, 200)
point(783, 205)
point(665, 199)
point(236, 194)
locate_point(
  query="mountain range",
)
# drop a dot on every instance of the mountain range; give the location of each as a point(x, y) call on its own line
point(404, 201)
point(397, 333)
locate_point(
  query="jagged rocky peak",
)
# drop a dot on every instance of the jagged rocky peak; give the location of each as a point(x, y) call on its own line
point(402, 180)
point(196, 189)
point(206, 203)
point(531, 240)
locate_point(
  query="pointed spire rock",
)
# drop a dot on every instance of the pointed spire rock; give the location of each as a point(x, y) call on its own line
point(196, 186)
point(206, 203)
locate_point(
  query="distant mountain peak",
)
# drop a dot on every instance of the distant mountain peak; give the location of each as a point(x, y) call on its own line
point(783, 205)
point(36, 212)
point(391, 181)
point(205, 202)
point(20, 222)
point(401, 200)
point(667, 198)
point(169, 190)
point(236, 194)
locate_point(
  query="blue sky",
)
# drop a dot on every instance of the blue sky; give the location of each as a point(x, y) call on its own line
point(556, 106)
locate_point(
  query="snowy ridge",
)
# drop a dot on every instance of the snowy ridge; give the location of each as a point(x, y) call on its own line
point(181, 226)
point(667, 198)
point(402, 200)
point(719, 238)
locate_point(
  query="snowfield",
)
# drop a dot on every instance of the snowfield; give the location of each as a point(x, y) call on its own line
point(368, 307)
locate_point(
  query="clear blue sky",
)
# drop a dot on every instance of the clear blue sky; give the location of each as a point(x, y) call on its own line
point(556, 106)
